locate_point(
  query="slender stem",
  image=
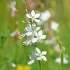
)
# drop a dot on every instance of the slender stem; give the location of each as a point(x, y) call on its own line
point(40, 65)
point(61, 56)
point(60, 44)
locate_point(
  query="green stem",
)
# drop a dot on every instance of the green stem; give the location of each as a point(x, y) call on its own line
point(48, 56)
point(60, 44)
point(40, 65)
point(61, 57)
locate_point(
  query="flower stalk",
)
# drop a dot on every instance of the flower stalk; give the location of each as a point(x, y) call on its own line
point(40, 65)
point(60, 44)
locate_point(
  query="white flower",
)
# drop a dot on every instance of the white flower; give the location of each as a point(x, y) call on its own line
point(37, 55)
point(45, 16)
point(33, 16)
point(13, 65)
point(40, 55)
point(54, 26)
point(31, 30)
point(57, 48)
point(40, 35)
point(58, 60)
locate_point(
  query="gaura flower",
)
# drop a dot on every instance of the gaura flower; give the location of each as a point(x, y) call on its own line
point(20, 67)
point(54, 26)
point(37, 55)
point(58, 49)
point(33, 16)
point(58, 60)
point(40, 35)
point(45, 16)
point(40, 55)
point(31, 30)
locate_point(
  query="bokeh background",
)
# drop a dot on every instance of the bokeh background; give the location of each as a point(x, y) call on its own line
point(13, 50)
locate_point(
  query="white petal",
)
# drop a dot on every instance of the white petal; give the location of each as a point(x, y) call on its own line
point(37, 28)
point(37, 15)
point(58, 60)
point(28, 16)
point(27, 42)
point(65, 60)
point(45, 16)
point(38, 50)
point(33, 13)
point(54, 26)
point(28, 28)
point(40, 32)
point(37, 20)
point(28, 33)
point(33, 26)
point(34, 40)
point(44, 58)
point(13, 65)
point(38, 58)
point(43, 37)
point(44, 53)
point(31, 62)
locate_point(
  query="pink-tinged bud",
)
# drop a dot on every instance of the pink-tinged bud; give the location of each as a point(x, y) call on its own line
point(19, 37)
point(17, 32)
point(33, 5)
point(14, 12)
point(17, 23)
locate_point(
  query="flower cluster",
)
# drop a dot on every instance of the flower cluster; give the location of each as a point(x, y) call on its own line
point(32, 32)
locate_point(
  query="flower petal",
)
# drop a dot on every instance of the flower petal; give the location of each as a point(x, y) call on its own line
point(37, 28)
point(37, 15)
point(44, 53)
point(58, 60)
point(33, 26)
point(65, 60)
point(40, 32)
point(43, 37)
point(33, 13)
point(37, 20)
point(54, 26)
point(34, 40)
point(31, 62)
point(28, 16)
point(38, 58)
point(44, 58)
point(38, 50)
point(28, 33)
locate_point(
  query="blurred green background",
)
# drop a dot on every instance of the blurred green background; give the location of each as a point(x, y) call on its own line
point(14, 51)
